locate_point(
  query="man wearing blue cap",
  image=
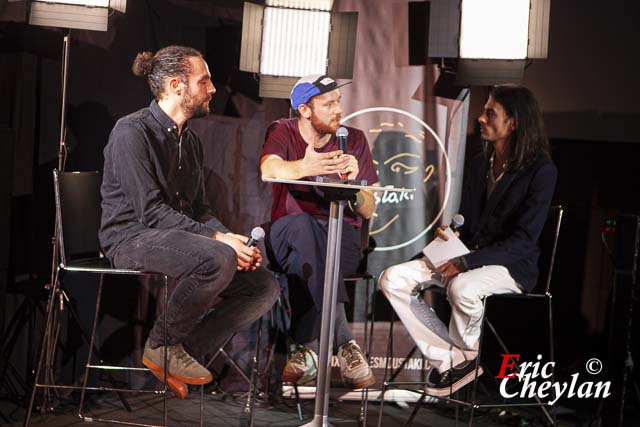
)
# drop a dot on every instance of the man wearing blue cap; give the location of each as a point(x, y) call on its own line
point(302, 148)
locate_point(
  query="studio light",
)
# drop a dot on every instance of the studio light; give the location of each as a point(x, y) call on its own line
point(288, 39)
point(498, 37)
point(302, 4)
point(492, 40)
point(294, 42)
point(494, 29)
point(78, 14)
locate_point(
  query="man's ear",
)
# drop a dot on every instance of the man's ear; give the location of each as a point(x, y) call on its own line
point(304, 110)
point(175, 86)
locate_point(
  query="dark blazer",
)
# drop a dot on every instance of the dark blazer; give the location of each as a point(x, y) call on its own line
point(504, 229)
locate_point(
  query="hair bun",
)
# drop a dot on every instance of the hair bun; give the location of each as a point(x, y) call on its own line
point(143, 64)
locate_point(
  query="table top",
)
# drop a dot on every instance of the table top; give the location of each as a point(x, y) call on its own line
point(340, 185)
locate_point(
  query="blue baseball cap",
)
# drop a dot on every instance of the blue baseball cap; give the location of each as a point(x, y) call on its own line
point(309, 86)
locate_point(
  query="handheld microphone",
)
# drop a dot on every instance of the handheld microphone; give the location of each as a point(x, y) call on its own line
point(257, 234)
point(342, 134)
point(456, 222)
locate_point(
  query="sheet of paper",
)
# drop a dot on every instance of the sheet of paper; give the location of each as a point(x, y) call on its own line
point(440, 251)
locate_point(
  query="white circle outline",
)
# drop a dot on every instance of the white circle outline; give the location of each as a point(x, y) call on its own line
point(446, 158)
point(590, 369)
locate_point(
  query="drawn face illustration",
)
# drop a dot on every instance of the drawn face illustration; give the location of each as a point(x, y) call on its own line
point(406, 155)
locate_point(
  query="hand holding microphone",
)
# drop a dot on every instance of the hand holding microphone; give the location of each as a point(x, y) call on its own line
point(248, 256)
point(352, 169)
point(257, 234)
point(456, 223)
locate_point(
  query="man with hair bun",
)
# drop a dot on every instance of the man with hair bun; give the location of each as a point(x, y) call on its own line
point(155, 217)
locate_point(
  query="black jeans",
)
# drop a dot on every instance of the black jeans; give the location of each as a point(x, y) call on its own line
point(211, 299)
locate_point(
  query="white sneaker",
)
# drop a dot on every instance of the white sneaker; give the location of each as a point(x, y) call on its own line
point(354, 369)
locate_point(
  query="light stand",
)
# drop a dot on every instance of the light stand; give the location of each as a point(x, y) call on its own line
point(89, 16)
point(620, 367)
point(52, 332)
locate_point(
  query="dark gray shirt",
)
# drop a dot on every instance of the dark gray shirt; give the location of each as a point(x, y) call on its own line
point(153, 179)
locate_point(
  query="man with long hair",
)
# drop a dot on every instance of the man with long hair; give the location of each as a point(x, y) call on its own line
point(505, 201)
point(155, 217)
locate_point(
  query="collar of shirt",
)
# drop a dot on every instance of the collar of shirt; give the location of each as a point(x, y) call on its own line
point(504, 168)
point(165, 121)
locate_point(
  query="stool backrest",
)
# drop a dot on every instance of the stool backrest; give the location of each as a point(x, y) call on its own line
point(548, 242)
point(78, 213)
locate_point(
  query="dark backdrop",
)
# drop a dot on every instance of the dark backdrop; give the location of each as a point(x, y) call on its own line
point(598, 179)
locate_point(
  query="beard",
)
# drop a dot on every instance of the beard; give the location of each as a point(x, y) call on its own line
point(193, 107)
point(324, 127)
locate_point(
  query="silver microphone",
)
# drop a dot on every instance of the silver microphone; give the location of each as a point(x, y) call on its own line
point(257, 234)
point(456, 222)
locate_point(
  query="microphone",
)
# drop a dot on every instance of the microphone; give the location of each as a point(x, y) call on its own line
point(457, 222)
point(342, 134)
point(257, 234)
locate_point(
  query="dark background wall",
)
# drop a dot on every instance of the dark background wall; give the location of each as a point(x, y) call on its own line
point(587, 88)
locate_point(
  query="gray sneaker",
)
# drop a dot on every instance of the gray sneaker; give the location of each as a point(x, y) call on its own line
point(181, 365)
point(302, 367)
point(354, 369)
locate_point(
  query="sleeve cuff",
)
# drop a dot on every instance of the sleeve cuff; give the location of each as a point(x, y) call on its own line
point(464, 262)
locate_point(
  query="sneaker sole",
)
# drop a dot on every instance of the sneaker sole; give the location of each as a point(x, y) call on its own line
point(298, 379)
point(178, 388)
point(159, 373)
point(444, 392)
point(364, 382)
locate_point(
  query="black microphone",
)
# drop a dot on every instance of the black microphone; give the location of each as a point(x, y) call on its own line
point(342, 134)
point(456, 223)
point(257, 234)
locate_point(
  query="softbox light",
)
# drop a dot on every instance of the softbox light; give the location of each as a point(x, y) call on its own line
point(494, 29)
point(78, 14)
point(288, 39)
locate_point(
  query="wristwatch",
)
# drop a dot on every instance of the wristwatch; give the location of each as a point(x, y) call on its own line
point(359, 200)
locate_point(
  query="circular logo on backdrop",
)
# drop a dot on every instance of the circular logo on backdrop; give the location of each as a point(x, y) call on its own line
point(407, 153)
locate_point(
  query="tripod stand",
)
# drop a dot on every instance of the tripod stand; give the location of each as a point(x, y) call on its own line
point(55, 293)
point(58, 302)
point(31, 305)
point(24, 319)
point(624, 292)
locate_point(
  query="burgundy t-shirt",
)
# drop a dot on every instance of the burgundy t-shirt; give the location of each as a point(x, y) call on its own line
point(284, 140)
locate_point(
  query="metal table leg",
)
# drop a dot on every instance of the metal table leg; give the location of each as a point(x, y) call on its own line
point(329, 300)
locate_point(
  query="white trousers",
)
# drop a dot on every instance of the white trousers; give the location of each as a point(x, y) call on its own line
point(464, 292)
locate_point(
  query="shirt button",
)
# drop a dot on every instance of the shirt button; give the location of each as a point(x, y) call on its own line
point(177, 194)
point(169, 129)
point(180, 167)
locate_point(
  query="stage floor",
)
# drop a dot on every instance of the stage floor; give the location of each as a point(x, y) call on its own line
point(225, 410)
